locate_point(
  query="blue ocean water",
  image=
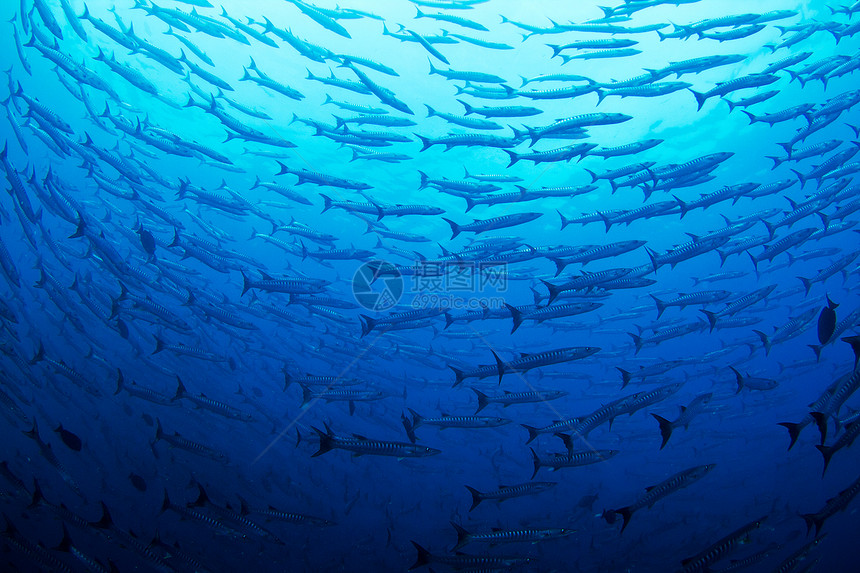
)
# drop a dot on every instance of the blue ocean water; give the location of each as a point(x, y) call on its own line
point(253, 316)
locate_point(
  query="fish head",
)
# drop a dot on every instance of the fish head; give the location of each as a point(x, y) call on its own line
point(428, 451)
point(704, 470)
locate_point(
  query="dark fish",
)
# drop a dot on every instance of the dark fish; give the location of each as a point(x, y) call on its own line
point(72, 441)
point(138, 482)
point(587, 501)
point(854, 341)
point(147, 241)
point(847, 322)
point(827, 322)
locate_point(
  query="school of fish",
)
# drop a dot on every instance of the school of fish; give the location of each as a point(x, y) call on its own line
point(234, 323)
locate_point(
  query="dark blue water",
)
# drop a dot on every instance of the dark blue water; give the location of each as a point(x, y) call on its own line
point(136, 207)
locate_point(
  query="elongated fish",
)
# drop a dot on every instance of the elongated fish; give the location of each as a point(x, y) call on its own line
point(657, 492)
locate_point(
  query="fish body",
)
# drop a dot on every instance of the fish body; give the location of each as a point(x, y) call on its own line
point(509, 492)
point(827, 322)
point(701, 561)
point(571, 459)
point(739, 304)
point(360, 445)
point(657, 492)
point(831, 507)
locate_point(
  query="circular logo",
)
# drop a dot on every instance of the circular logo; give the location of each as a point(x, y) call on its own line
point(377, 285)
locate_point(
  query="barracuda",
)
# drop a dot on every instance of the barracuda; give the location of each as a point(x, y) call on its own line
point(528, 361)
point(287, 285)
point(444, 422)
point(359, 446)
point(657, 492)
point(697, 406)
point(272, 514)
point(571, 459)
point(579, 426)
point(510, 398)
point(499, 536)
point(509, 492)
point(177, 441)
point(831, 507)
point(701, 561)
point(141, 392)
